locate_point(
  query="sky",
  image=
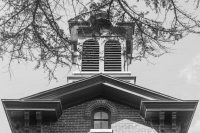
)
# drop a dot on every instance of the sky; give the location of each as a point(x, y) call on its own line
point(175, 74)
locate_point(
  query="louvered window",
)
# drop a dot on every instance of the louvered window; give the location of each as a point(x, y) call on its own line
point(90, 56)
point(112, 56)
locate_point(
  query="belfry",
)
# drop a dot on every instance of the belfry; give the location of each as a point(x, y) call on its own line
point(102, 97)
point(100, 47)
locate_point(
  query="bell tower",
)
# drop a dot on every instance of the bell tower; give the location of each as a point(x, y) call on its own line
point(100, 47)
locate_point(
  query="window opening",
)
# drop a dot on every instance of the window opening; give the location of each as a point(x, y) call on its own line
point(90, 56)
point(112, 56)
point(101, 119)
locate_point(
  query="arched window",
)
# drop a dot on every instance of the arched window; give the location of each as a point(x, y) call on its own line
point(112, 56)
point(90, 56)
point(101, 119)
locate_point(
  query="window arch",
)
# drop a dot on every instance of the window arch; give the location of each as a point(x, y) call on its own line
point(101, 118)
point(112, 56)
point(90, 56)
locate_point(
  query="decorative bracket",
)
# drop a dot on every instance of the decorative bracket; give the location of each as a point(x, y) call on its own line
point(162, 118)
point(26, 118)
point(174, 122)
point(39, 121)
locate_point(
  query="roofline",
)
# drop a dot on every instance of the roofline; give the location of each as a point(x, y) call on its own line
point(107, 76)
point(119, 88)
point(145, 89)
point(32, 109)
point(160, 101)
point(56, 88)
point(192, 117)
point(31, 100)
point(184, 101)
point(55, 106)
point(7, 116)
point(194, 101)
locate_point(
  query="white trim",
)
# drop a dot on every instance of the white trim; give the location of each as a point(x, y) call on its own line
point(170, 109)
point(31, 100)
point(101, 54)
point(119, 88)
point(108, 73)
point(42, 109)
point(162, 101)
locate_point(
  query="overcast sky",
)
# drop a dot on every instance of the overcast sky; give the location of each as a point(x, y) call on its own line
point(176, 74)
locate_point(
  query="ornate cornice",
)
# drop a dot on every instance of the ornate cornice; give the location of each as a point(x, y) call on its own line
point(174, 112)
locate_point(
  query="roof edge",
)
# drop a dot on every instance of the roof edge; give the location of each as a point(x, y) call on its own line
point(192, 116)
point(105, 76)
point(187, 108)
point(9, 121)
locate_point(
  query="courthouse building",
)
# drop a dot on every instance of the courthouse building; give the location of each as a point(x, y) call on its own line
point(103, 97)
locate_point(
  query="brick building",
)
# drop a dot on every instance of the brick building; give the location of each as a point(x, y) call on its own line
point(101, 98)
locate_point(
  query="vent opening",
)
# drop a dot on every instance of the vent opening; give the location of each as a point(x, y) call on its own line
point(112, 56)
point(90, 56)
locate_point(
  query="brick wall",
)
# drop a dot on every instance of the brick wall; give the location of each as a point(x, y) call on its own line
point(77, 119)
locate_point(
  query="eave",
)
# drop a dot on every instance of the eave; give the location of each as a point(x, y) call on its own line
point(92, 82)
point(50, 108)
point(52, 102)
point(101, 85)
point(185, 110)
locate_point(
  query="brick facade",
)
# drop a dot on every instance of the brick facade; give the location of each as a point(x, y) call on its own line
point(77, 119)
point(101, 103)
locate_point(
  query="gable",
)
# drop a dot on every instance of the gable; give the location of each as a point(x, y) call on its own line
point(123, 118)
point(150, 105)
point(101, 85)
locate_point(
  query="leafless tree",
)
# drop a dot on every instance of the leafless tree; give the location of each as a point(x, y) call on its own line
point(31, 30)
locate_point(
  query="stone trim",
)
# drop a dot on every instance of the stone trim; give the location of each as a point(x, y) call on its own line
point(101, 103)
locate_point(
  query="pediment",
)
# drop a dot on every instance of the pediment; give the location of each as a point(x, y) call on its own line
point(150, 104)
point(100, 85)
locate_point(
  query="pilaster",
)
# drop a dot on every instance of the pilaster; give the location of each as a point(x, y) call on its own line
point(27, 120)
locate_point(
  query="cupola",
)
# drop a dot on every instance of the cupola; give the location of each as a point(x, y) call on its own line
point(101, 47)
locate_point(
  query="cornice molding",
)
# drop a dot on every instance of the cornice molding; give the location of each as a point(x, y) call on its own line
point(179, 110)
point(98, 79)
point(35, 105)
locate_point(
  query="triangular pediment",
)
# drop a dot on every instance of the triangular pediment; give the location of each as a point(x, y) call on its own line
point(150, 104)
point(100, 85)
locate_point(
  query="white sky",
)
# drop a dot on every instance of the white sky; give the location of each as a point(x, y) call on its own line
point(176, 74)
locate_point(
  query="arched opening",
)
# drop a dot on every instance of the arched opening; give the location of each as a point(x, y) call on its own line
point(90, 56)
point(101, 119)
point(112, 56)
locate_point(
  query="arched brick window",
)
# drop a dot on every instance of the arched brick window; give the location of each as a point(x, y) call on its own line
point(101, 118)
point(98, 104)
